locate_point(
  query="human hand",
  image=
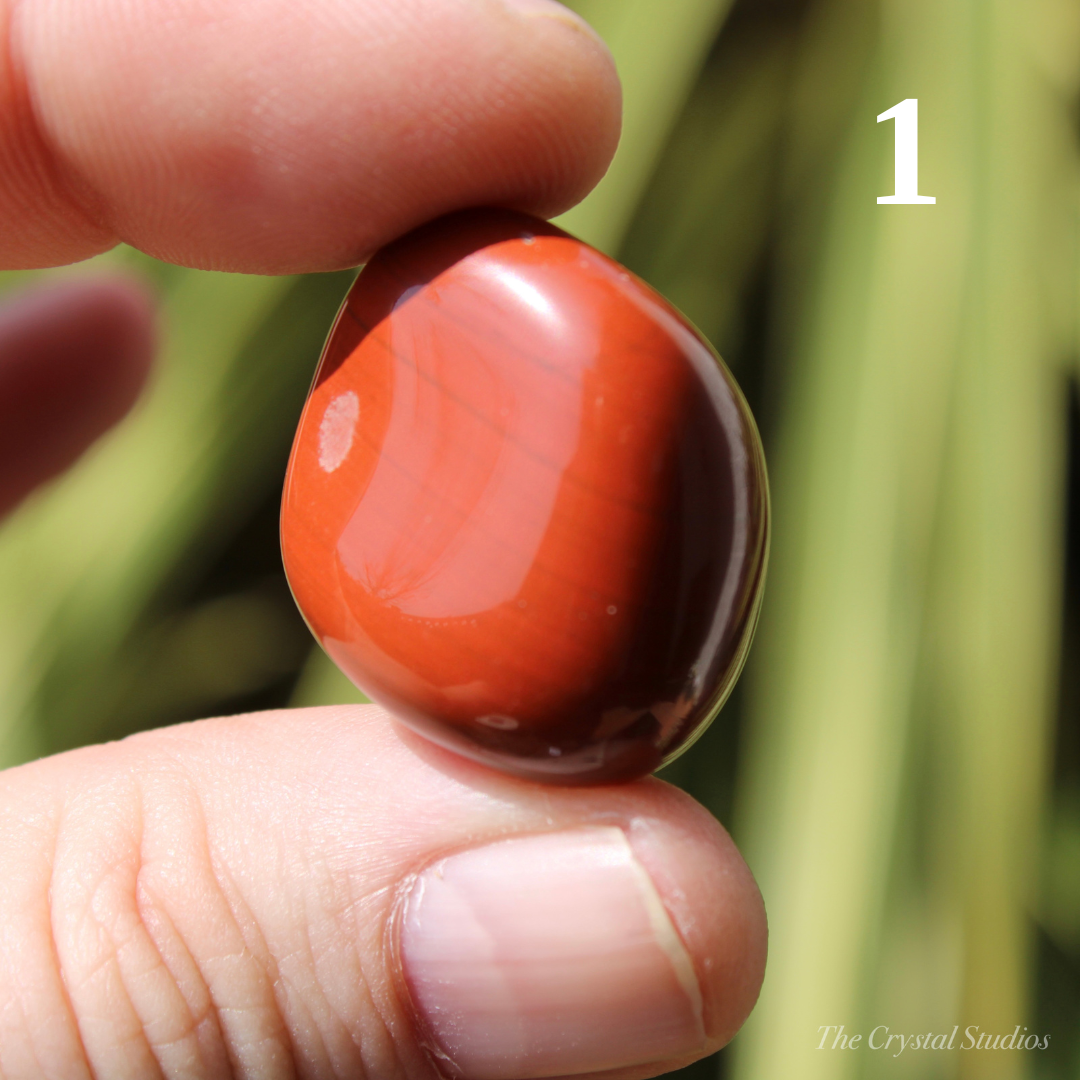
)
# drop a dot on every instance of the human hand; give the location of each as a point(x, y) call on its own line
point(315, 892)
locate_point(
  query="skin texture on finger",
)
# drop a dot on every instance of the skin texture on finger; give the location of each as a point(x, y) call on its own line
point(228, 895)
point(73, 359)
point(280, 137)
point(41, 221)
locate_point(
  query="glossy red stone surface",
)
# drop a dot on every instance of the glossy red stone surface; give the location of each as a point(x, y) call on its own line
point(526, 508)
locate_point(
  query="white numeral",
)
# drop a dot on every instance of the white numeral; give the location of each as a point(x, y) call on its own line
point(906, 161)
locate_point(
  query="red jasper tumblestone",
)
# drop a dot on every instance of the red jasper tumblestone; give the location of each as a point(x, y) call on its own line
point(526, 508)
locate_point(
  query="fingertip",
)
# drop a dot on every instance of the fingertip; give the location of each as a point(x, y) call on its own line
point(96, 337)
point(585, 90)
point(73, 359)
point(714, 902)
point(583, 951)
point(119, 316)
point(281, 138)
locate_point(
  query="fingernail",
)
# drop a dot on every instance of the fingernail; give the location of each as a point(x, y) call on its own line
point(548, 955)
point(552, 10)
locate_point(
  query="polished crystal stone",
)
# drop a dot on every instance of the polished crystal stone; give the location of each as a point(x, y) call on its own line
point(526, 508)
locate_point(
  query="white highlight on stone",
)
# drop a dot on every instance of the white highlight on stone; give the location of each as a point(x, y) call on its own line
point(337, 430)
point(500, 723)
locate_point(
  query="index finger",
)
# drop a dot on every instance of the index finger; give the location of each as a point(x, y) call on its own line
point(277, 137)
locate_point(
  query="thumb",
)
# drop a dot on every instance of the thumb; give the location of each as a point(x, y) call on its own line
point(318, 893)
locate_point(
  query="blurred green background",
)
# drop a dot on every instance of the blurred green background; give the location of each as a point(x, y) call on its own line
point(901, 762)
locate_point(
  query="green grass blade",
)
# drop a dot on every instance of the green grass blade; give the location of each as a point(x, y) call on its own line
point(896, 314)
